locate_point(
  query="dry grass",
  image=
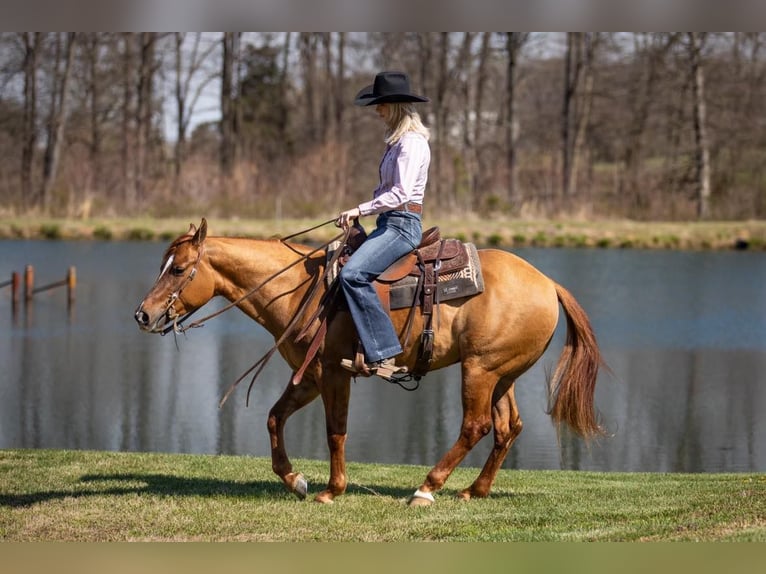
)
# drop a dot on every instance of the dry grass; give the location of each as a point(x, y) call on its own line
point(498, 232)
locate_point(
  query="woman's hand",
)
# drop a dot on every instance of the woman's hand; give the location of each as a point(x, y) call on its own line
point(346, 218)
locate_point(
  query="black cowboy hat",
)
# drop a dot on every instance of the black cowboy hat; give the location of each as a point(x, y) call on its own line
point(389, 87)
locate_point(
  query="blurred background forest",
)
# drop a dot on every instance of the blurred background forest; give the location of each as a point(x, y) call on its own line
point(646, 126)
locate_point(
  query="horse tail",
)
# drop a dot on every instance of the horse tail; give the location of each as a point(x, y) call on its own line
point(573, 384)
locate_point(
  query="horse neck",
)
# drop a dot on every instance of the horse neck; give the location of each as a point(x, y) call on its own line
point(244, 264)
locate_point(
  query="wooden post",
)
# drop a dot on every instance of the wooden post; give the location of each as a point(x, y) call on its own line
point(71, 283)
point(29, 283)
point(15, 284)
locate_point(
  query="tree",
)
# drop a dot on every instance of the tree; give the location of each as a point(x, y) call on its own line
point(650, 51)
point(188, 87)
point(59, 102)
point(514, 43)
point(31, 42)
point(578, 99)
point(696, 42)
point(148, 65)
point(229, 99)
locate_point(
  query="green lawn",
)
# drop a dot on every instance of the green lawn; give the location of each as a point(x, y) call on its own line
point(103, 496)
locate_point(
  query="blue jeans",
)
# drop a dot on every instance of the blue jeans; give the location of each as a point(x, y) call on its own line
point(397, 233)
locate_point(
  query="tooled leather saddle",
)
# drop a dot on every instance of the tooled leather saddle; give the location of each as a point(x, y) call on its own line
point(437, 270)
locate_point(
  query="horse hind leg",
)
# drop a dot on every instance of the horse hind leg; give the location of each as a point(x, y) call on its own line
point(294, 398)
point(477, 422)
point(507, 427)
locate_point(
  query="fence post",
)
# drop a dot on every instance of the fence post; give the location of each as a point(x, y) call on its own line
point(71, 283)
point(29, 283)
point(15, 284)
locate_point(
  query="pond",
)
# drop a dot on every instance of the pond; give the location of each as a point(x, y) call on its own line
point(683, 332)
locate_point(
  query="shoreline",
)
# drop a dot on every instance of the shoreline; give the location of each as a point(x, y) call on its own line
point(505, 233)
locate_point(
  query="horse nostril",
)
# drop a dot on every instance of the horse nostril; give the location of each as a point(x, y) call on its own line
point(142, 318)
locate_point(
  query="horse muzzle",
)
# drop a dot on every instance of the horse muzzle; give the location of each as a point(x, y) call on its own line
point(156, 325)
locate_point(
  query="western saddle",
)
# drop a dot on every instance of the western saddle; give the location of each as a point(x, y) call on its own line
point(433, 257)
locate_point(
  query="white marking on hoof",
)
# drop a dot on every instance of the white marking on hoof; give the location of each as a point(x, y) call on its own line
point(300, 486)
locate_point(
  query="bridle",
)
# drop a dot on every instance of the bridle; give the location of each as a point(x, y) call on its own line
point(176, 295)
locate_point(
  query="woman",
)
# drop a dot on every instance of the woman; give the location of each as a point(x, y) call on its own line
point(398, 203)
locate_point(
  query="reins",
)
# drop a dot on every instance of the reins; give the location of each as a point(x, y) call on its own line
point(261, 363)
point(177, 327)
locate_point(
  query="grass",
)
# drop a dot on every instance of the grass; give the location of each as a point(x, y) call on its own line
point(50, 495)
point(500, 232)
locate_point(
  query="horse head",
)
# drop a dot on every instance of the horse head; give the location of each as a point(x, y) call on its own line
point(180, 288)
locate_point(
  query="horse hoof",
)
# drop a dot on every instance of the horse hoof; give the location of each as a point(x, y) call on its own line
point(297, 484)
point(417, 501)
point(421, 498)
point(324, 498)
point(464, 495)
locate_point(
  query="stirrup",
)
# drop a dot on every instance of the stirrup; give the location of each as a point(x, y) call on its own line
point(385, 369)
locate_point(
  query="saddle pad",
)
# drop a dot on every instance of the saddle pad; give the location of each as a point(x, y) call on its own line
point(461, 283)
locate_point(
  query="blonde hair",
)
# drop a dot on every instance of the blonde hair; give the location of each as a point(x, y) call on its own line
point(403, 118)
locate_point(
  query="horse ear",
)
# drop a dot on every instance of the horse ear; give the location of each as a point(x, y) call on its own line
point(192, 229)
point(199, 236)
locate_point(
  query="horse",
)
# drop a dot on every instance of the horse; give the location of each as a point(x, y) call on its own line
point(496, 336)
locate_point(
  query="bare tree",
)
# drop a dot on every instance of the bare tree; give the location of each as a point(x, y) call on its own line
point(229, 99)
point(32, 42)
point(514, 43)
point(308, 56)
point(188, 88)
point(482, 72)
point(441, 106)
point(701, 146)
point(578, 99)
point(59, 101)
point(650, 51)
point(127, 139)
point(148, 66)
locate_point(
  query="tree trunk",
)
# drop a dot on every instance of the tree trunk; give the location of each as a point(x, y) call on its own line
point(441, 106)
point(584, 104)
point(29, 136)
point(514, 43)
point(144, 110)
point(701, 146)
point(94, 90)
point(128, 118)
point(578, 96)
point(228, 103)
point(481, 82)
point(180, 93)
point(57, 115)
point(308, 61)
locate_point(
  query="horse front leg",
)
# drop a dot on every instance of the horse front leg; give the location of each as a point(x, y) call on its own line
point(294, 398)
point(336, 390)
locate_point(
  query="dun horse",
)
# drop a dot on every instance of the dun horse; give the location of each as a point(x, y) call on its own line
point(495, 336)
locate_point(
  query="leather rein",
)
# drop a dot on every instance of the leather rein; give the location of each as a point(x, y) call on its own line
point(176, 327)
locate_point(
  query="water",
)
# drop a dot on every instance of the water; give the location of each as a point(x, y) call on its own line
point(684, 334)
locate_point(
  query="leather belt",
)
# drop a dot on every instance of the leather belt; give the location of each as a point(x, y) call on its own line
point(411, 207)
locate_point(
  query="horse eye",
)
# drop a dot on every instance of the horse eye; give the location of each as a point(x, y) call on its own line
point(176, 270)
